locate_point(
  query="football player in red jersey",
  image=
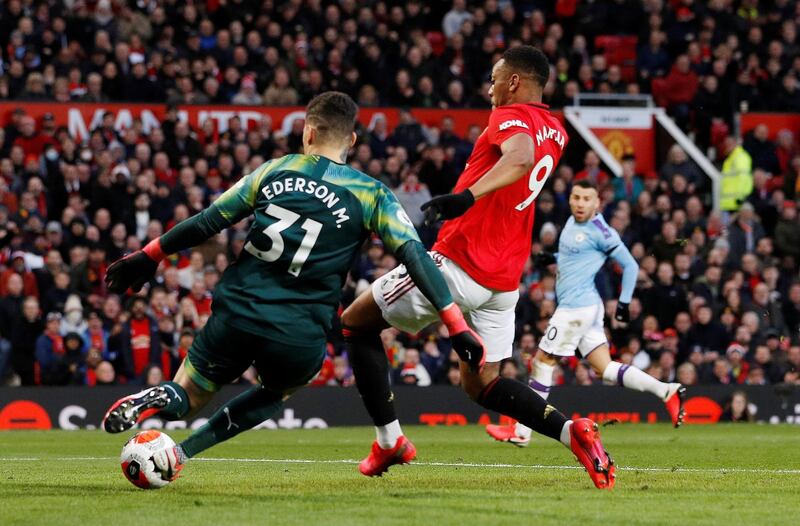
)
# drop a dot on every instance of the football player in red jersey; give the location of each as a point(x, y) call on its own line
point(481, 250)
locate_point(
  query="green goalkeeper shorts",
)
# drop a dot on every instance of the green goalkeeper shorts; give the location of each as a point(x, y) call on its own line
point(222, 353)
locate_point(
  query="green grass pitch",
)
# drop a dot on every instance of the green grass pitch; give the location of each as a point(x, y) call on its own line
point(736, 474)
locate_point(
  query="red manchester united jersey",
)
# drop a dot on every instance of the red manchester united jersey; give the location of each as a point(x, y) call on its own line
point(492, 241)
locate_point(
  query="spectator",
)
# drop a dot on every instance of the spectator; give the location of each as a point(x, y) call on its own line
point(762, 151)
point(342, 374)
point(629, 186)
point(739, 367)
point(687, 374)
point(50, 352)
point(708, 334)
point(455, 18)
point(247, 95)
point(721, 373)
point(94, 89)
point(737, 175)
point(737, 410)
point(678, 163)
point(87, 276)
point(762, 359)
point(153, 376)
point(791, 309)
point(792, 365)
point(744, 233)
point(19, 268)
point(767, 309)
point(105, 374)
point(411, 371)
point(591, 170)
point(677, 90)
point(280, 92)
point(73, 316)
point(140, 342)
point(412, 194)
point(667, 245)
point(787, 232)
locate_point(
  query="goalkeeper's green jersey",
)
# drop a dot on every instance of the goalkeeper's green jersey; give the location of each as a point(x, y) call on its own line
point(312, 216)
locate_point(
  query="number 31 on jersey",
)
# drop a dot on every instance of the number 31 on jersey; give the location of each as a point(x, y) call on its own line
point(286, 218)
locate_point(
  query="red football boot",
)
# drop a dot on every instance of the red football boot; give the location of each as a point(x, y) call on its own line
point(507, 433)
point(584, 439)
point(674, 403)
point(380, 460)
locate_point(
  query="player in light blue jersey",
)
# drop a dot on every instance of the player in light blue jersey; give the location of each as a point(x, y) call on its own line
point(584, 246)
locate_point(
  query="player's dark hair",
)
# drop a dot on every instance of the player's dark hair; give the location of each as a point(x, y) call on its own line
point(333, 114)
point(528, 60)
point(585, 183)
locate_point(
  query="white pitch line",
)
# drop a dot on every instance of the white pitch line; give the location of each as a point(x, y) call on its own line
point(441, 464)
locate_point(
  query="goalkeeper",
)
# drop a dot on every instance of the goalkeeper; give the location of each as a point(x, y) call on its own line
point(273, 305)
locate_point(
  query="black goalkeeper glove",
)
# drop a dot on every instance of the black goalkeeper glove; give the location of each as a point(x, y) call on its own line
point(132, 271)
point(543, 259)
point(447, 206)
point(622, 315)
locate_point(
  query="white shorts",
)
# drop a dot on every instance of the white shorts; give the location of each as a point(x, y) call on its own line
point(569, 329)
point(490, 313)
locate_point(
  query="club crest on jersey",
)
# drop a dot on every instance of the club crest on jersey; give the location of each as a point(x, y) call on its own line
point(580, 237)
point(513, 122)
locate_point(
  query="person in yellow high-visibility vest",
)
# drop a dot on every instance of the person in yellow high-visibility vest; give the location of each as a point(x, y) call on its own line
point(737, 176)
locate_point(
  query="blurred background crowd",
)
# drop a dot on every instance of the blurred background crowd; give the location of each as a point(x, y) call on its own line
point(718, 296)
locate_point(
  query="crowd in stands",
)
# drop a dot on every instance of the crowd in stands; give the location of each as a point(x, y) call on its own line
point(718, 296)
point(702, 60)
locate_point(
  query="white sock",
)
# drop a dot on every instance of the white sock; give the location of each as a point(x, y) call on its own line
point(522, 430)
point(633, 378)
point(387, 435)
point(565, 433)
point(541, 380)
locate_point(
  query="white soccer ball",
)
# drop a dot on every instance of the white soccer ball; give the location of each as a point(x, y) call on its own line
point(137, 459)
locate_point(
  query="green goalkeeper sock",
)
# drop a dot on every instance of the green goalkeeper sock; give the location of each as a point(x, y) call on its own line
point(178, 405)
point(240, 414)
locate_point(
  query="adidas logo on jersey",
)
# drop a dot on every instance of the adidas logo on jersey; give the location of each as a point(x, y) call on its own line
point(513, 122)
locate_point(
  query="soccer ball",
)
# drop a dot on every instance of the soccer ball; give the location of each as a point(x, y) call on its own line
point(137, 459)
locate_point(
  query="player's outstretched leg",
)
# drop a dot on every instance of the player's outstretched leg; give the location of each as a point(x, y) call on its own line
point(238, 415)
point(616, 373)
point(517, 400)
point(371, 370)
point(169, 400)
